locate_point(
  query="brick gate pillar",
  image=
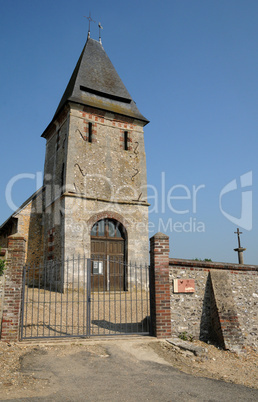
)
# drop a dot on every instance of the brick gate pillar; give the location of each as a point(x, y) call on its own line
point(160, 286)
point(13, 289)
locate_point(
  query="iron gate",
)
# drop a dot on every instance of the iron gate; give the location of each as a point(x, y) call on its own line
point(71, 299)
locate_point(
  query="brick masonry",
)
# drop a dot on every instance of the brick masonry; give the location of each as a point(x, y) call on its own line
point(3, 255)
point(13, 289)
point(160, 287)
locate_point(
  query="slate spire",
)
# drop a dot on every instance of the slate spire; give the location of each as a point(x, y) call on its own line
point(95, 83)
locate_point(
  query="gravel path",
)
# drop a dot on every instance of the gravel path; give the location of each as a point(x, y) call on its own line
point(17, 381)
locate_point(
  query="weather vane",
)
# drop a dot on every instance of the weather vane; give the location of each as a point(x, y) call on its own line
point(100, 27)
point(90, 20)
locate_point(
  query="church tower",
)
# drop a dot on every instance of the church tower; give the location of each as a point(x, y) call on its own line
point(95, 185)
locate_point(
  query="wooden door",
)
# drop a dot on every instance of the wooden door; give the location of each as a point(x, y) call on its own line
point(108, 257)
point(115, 254)
point(98, 265)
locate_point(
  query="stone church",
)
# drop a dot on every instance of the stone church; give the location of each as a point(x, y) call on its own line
point(94, 196)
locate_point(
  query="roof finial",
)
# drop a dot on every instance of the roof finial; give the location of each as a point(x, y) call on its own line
point(100, 27)
point(89, 19)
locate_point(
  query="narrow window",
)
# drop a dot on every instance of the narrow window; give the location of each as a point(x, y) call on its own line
point(126, 140)
point(58, 140)
point(90, 132)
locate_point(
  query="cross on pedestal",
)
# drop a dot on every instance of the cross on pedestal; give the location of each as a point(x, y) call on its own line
point(238, 236)
point(239, 249)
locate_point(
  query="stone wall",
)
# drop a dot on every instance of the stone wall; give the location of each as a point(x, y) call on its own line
point(192, 312)
point(103, 169)
point(245, 294)
point(27, 221)
point(78, 224)
point(30, 227)
point(99, 176)
point(102, 178)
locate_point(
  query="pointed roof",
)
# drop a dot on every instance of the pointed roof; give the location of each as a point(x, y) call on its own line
point(95, 83)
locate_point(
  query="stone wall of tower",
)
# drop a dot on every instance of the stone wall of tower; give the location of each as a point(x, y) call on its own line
point(86, 180)
point(54, 185)
point(105, 180)
point(82, 213)
point(103, 169)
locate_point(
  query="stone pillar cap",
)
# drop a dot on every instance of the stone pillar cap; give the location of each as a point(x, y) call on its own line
point(160, 236)
point(17, 236)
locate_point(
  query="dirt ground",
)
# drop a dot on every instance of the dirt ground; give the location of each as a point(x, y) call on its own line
point(215, 363)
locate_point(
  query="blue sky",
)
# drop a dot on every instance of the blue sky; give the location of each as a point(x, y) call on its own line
point(190, 65)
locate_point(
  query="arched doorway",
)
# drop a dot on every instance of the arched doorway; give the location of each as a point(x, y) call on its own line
point(108, 255)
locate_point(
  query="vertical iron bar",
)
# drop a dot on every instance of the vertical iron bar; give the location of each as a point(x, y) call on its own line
point(78, 262)
point(120, 285)
point(125, 293)
point(61, 296)
point(88, 296)
point(55, 267)
point(104, 294)
point(114, 262)
point(135, 272)
point(92, 296)
point(27, 300)
point(44, 298)
point(141, 295)
point(32, 308)
point(131, 296)
point(67, 293)
point(38, 301)
point(98, 292)
point(148, 297)
point(108, 273)
point(83, 296)
point(49, 307)
point(72, 294)
point(23, 297)
point(108, 289)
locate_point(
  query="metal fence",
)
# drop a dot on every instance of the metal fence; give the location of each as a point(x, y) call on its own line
point(84, 297)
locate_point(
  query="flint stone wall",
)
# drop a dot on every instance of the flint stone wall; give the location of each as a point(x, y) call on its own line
point(191, 312)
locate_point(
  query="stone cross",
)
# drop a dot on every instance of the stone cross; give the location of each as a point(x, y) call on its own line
point(239, 249)
point(238, 236)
